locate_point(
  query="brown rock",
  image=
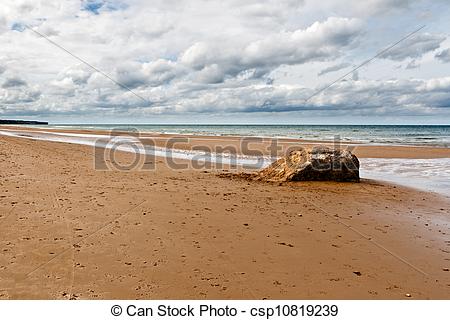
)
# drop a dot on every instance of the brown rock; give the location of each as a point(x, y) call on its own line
point(318, 164)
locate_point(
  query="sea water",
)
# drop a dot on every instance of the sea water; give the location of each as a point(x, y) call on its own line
point(430, 135)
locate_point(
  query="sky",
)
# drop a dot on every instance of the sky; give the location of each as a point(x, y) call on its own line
point(229, 61)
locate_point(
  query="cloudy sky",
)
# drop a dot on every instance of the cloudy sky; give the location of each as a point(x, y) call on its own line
point(225, 61)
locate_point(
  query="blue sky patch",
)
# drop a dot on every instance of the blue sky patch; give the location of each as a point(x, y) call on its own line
point(96, 6)
point(17, 26)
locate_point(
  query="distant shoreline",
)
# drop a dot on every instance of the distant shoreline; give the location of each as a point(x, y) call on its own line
point(28, 122)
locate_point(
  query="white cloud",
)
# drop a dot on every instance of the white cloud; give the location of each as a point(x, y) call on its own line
point(217, 56)
point(320, 41)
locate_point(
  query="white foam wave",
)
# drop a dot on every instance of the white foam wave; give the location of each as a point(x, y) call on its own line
point(133, 145)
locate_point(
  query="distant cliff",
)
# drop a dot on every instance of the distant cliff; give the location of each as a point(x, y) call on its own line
point(22, 122)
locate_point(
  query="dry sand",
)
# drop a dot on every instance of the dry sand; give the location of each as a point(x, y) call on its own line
point(71, 232)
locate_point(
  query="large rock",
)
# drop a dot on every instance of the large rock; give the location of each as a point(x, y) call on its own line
point(318, 164)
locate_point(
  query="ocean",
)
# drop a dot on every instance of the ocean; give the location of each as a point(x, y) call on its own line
point(430, 135)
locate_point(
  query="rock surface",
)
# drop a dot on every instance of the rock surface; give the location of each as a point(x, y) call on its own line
point(318, 164)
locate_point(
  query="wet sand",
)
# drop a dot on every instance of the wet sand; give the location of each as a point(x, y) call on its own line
point(71, 232)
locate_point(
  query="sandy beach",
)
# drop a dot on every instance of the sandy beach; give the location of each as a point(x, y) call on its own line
point(71, 232)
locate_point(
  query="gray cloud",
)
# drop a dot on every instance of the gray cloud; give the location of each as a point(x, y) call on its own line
point(364, 97)
point(443, 56)
point(77, 75)
point(334, 68)
point(153, 74)
point(130, 75)
point(266, 12)
point(415, 47)
point(13, 82)
point(382, 6)
point(413, 64)
point(17, 96)
point(3, 24)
